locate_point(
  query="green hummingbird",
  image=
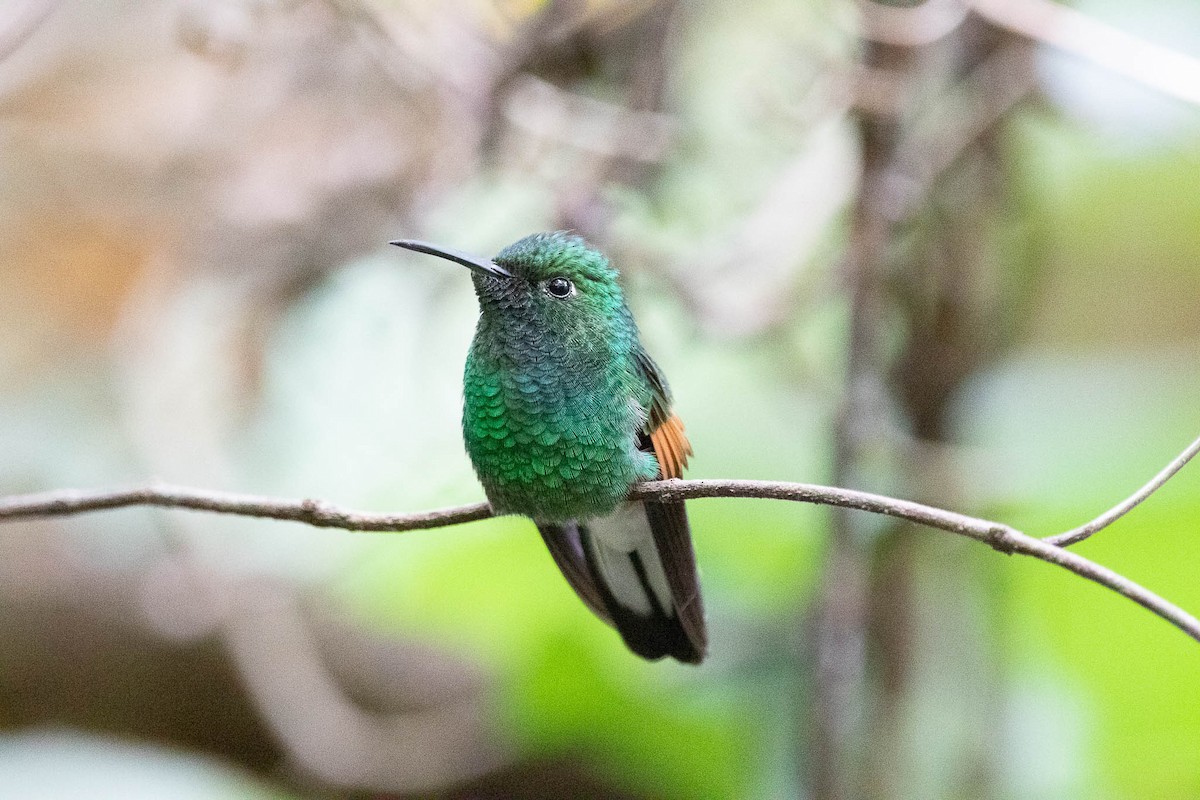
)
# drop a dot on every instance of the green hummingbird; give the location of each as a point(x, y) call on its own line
point(563, 412)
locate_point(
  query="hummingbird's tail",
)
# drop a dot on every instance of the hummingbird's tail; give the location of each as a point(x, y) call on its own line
point(636, 569)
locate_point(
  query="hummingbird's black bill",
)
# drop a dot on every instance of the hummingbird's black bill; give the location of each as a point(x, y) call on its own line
point(483, 266)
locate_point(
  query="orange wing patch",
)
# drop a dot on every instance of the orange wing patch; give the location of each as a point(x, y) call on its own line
point(671, 447)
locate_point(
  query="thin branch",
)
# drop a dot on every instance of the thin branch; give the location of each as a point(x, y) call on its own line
point(1160, 68)
point(326, 515)
point(317, 513)
point(929, 516)
point(1116, 512)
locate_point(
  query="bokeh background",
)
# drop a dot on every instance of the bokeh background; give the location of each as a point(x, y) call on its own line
point(948, 251)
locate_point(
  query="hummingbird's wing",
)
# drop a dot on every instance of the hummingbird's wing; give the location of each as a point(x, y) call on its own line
point(673, 543)
point(663, 427)
point(635, 568)
point(668, 520)
point(641, 559)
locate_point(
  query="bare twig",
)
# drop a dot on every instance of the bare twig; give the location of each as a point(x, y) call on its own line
point(929, 516)
point(325, 515)
point(1116, 512)
point(311, 512)
point(1160, 68)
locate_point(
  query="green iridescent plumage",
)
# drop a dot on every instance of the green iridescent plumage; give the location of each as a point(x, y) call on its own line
point(539, 420)
point(563, 411)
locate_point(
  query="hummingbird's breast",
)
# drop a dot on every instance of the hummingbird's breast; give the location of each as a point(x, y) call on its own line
point(550, 439)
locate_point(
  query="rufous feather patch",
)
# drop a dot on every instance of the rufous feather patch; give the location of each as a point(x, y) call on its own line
point(671, 447)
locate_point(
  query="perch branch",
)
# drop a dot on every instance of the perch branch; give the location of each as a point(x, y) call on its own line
point(311, 512)
point(326, 515)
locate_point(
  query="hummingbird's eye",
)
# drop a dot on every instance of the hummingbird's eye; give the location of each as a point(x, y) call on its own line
point(559, 287)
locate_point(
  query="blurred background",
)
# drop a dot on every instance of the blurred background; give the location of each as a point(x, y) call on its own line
point(947, 251)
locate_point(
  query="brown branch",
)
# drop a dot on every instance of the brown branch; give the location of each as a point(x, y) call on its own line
point(310, 512)
point(326, 515)
point(929, 516)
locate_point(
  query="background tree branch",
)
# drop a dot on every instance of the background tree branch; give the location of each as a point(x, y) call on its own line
point(1168, 71)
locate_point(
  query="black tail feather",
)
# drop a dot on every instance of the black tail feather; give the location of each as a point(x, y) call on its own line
point(673, 543)
point(653, 621)
point(643, 582)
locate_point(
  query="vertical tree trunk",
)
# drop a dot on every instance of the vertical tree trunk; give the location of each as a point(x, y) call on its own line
point(920, 277)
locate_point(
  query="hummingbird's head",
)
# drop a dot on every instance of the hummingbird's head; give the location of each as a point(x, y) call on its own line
point(559, 265)
point(555, 279)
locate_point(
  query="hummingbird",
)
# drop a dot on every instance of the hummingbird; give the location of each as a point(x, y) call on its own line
point(563, 412)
